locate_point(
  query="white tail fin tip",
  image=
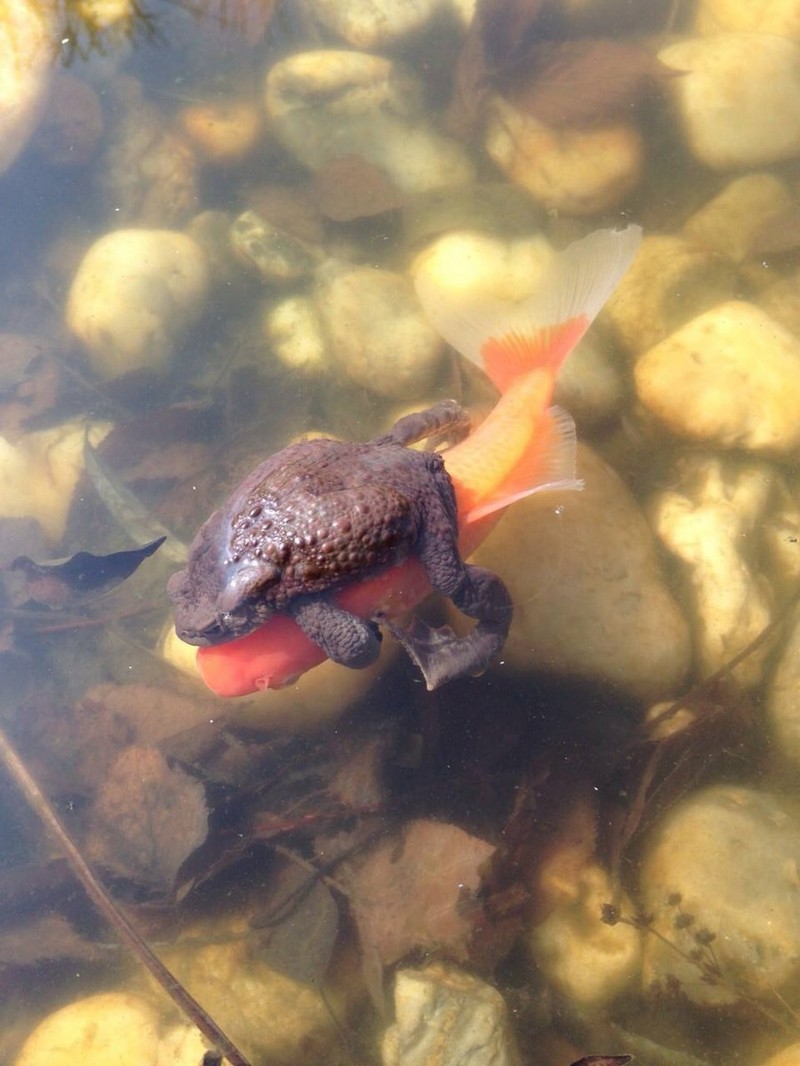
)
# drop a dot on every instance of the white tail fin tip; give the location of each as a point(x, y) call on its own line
point(576, 282)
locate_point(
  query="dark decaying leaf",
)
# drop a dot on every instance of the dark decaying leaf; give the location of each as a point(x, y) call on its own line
point(418, 890)
point(47, 939)
point(499, 30)
point(298, 933)
point(147, 818)
point(515, 48)
point(351, 187)
point(64, 583)
point(583, 81)
point(506, 28)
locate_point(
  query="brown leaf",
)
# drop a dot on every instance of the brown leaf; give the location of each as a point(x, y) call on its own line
point(287, 207)
point(147, 818)
point(583, 81)
point(499, 29)
point(417, 889)
point(299, 929)
point(350, 188)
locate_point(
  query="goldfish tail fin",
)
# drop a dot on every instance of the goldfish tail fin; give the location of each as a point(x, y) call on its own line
point(548, 464)
point(509, 339)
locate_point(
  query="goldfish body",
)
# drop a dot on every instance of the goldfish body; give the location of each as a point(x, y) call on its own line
point(326, 539)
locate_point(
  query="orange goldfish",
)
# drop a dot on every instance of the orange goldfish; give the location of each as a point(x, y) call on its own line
point(524, 445)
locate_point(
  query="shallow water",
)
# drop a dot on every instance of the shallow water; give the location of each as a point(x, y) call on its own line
point(541, 788)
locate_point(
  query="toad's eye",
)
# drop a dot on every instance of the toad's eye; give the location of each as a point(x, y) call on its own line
point(246, 583)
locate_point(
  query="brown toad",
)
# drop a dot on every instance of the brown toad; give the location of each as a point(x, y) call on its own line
point(321, 514)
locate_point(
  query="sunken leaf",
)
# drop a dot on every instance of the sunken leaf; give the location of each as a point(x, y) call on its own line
point(147, 818)
point(418, 889)
point(583, 81)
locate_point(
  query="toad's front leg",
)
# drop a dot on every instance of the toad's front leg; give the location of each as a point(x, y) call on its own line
point(343, 637)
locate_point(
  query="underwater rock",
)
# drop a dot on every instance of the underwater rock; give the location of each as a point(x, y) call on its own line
point(293, 330)
point(134, 295)
point(781, 301)
point(222, 132)
point(781, 17)
point(445, 1017)
point(719, 875)
point(39, 472)
point(379, 337)
point(783, 697)
point(669, 282)
point(373, 23)
point(589, 385)
point(277, 256)
point(727, 223)
point(787, 1056)
point(27, 29)
point(585, 579)
point(709, 519)
point(467, 262)
point(110, 1027)
point(181, 1046)
point(101, 15)
point(495, 208)
point(730, 378)
point(586, 960)
point(149, 172)
point(578, 171)
point(211, 230)
point(737, 97)
point(325, 105)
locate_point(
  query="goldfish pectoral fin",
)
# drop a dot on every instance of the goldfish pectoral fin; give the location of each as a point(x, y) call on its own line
point(548, 464)
point(508, 339)
point(441, 655)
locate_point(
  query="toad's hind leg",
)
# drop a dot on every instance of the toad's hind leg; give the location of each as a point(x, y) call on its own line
point(443, 656)
point(343, 637)
point(445, 419)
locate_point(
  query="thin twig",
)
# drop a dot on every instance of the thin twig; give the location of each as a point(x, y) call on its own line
point(111, 912)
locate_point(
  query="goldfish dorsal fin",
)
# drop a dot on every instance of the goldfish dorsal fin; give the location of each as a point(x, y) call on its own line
point(548, 464)
point(507, 339)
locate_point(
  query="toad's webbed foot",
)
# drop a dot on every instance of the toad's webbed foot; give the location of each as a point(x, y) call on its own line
point(443, 656)
point(343, 637)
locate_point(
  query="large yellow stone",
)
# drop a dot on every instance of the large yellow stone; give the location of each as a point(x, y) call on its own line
point(730, 378)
